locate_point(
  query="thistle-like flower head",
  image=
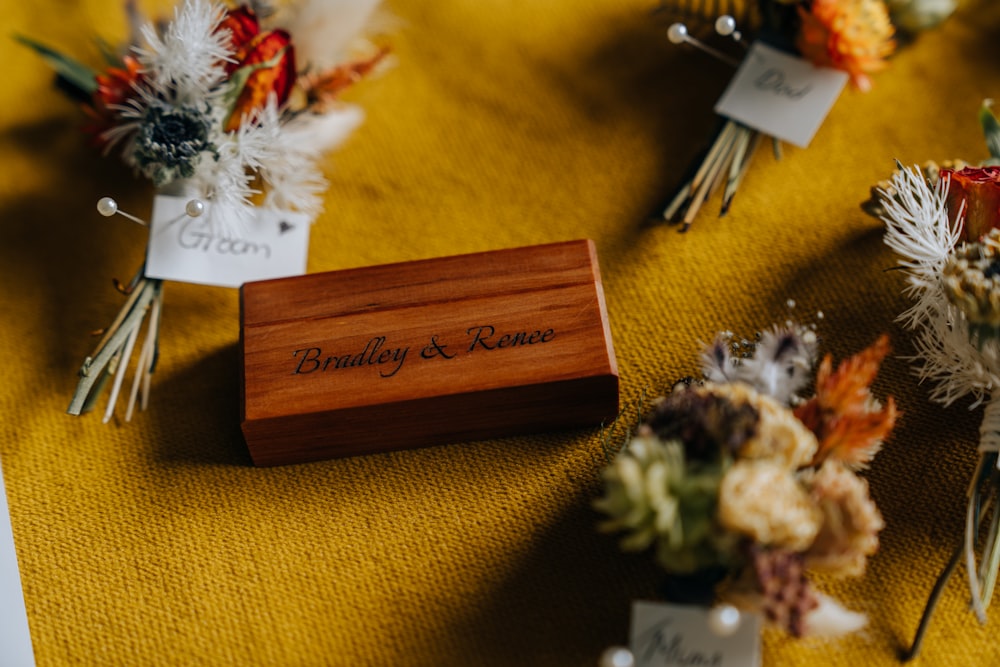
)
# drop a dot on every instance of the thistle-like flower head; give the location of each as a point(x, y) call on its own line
point(170, 141)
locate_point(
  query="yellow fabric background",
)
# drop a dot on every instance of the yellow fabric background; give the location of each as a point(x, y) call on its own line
point(502, 124)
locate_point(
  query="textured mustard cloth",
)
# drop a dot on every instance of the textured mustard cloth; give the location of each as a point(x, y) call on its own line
point(502, 124)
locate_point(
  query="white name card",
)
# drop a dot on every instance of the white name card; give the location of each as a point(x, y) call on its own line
point(667, 635)
point(15, 639)
point(274, 245)
point(780, 94)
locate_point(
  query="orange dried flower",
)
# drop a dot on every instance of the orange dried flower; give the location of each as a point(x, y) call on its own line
point(847, 420)
point(850, 35)
point(114, 88)
point(322, 88)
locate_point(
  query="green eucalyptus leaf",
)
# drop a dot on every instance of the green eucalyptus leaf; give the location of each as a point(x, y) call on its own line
point(991, 128)
point(73, 71)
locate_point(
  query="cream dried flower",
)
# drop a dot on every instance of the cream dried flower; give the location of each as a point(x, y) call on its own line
point(851, 522)
point(779, 437)
point(764, 501)
point(971, 278)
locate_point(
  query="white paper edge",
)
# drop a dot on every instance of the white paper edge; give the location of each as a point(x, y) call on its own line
point(15, 638)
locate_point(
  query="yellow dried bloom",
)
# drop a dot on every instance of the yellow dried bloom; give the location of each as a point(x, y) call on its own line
point(779, 436)
point(764, 501)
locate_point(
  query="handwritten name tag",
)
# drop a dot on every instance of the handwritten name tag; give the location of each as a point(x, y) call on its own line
point(780, 94)
point(665, 635)
point(190, 250)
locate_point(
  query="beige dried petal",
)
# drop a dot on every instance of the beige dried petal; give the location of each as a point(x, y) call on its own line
point(851, 521)
point(763, 500)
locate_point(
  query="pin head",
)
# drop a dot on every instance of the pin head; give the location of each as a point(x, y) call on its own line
point(725, 25)
point(677, 33)
point(724, 620)
point(195, 208)
point(107, 206)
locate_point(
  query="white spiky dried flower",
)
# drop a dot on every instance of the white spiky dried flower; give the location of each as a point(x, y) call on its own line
point(188, 57)
point(952, 351)
point(920, 230)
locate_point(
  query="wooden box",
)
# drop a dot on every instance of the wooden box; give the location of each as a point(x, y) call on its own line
point(427, 352)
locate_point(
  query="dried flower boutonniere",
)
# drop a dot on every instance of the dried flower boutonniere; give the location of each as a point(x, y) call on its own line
point(850, 36)
point(230, 108)
point(744, 488)
point(945, 225)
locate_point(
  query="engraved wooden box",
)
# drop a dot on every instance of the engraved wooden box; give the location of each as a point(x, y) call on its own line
point(427, 352)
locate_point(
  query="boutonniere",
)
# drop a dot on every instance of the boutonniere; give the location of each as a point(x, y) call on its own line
point(746, 484)
point(944, 223)
point(227, 111)
point(787, 78)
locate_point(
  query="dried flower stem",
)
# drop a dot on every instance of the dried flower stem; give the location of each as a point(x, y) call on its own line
point(932, 601)
point(727, 159)
point(972, 518)
point(983, 496)
point(113, 352)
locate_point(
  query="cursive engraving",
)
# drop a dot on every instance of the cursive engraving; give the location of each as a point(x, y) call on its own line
point(373, 354)
point(773, 80)
point(192, 236)
point(661, 645)
point(435, 349)
point(377, 352)
point(485, 337)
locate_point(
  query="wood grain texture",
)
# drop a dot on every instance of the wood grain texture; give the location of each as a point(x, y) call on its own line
point(427, 352)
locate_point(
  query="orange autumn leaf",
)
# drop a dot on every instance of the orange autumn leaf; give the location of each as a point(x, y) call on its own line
point(322, 88)
point(847, 420)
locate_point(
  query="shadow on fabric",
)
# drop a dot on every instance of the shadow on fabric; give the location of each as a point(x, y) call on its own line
point(198, 412)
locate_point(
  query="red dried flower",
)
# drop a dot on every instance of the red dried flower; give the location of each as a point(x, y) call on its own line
point(978, 188)
point(266, 60)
